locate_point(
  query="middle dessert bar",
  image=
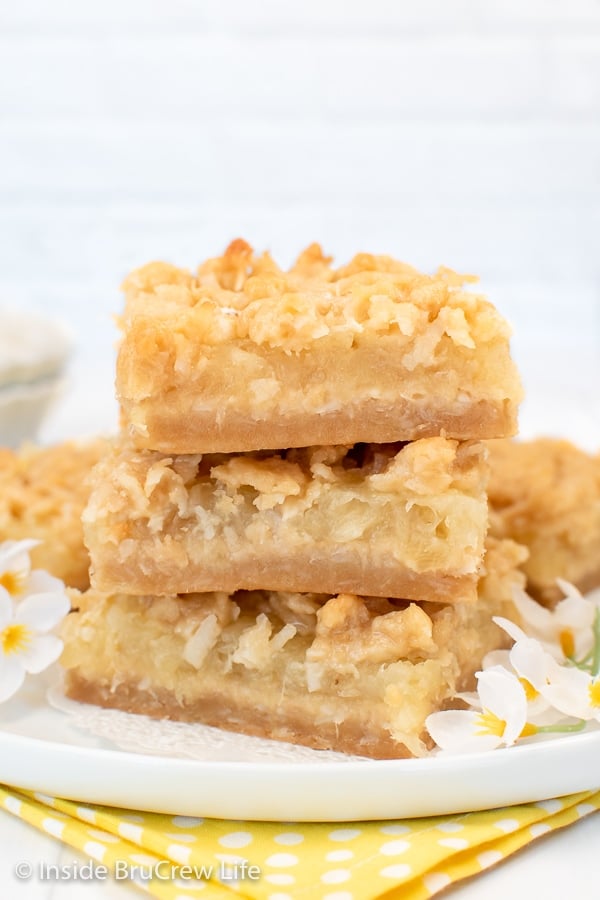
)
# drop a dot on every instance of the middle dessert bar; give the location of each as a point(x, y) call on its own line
point(393, 520)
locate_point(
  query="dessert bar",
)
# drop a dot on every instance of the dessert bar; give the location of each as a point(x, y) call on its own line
point(348, 673)
point(545, 494)
point(243, 355)
point(399, 520)
point(43, 491)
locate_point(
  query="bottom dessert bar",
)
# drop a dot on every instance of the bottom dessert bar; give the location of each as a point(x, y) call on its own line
point(354, 674)
point(43, 491)
point(545, 494)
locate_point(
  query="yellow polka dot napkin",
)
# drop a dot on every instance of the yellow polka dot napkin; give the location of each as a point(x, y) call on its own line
point(177, 857)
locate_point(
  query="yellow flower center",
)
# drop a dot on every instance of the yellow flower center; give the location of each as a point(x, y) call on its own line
point(528, 730)
point(567, 643)
point(489, 723)
point(13, 582)
point(530, 691)
point(15, 638)
point(594, 690)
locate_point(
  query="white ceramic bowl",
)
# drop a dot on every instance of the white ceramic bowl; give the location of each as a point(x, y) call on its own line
point(33, 354)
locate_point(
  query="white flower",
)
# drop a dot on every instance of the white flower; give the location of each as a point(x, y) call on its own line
point(571, 691)
point(25, 645)
point(501, 720)
point(16, 576)
point(566, 630)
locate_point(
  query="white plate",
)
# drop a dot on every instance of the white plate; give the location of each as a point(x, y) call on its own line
point(41, 749)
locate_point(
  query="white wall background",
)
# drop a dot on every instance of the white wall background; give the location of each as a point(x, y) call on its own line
point(463, 132)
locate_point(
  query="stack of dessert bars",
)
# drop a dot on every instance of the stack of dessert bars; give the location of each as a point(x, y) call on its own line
point(288, 539)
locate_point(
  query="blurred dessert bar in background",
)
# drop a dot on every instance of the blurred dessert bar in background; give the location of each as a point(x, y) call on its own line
point(545, 494)
point(43, 491)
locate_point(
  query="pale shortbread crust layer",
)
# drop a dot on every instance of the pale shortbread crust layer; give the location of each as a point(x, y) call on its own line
point(242, 355)
point(395, 520)
point(43, 491)
point(346, 673)
point(545, 494)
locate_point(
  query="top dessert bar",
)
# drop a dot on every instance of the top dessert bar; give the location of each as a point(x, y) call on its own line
point(242, 355)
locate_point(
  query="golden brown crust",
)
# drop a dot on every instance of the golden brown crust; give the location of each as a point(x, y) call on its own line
point(243, 355)
point(391, 520)
point(43, 491)
point(349, 736)
point(545, 494)
point(356, 674)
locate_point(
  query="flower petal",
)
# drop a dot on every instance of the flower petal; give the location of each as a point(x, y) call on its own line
point(497, 658)
point(509, 627)
point(40, 582)
point(564, 687)
point(12, 675)
point(10, 551)
point(503, 694)
point(41, 612)
point(537, 618)
point(456, 731)
point(6, 608)
point(41, 651)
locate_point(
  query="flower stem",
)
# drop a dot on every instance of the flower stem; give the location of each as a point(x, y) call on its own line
point(562, 729)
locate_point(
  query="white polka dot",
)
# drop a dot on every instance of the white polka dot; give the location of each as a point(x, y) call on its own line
point(338, 895)
point(394, 848)
point(395, 829)
point(539, 829)
point(131, 832)
point(489, 858)
point(279, 896)
point(95, 850)
point(186, 821)
point(344, 834)
point(13, 805)
point(280, 860)
point(551, 806)
point(507, 825)
point(44, 798)
point(142, 859)
point(178, 853)
point(450, 826)
point(280, 878)
point(103, 836)
point(53, 826)
point(339, 855)
point(584, 809)
point(454, 843)
point(289, 838)
point(436, 881)
point(86, 815)
point(140, 882)
point(398, 870)
point(236, 839)
point(336, 876)
point(186, 838)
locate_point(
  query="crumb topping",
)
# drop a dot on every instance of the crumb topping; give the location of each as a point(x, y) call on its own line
point(242, 296)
